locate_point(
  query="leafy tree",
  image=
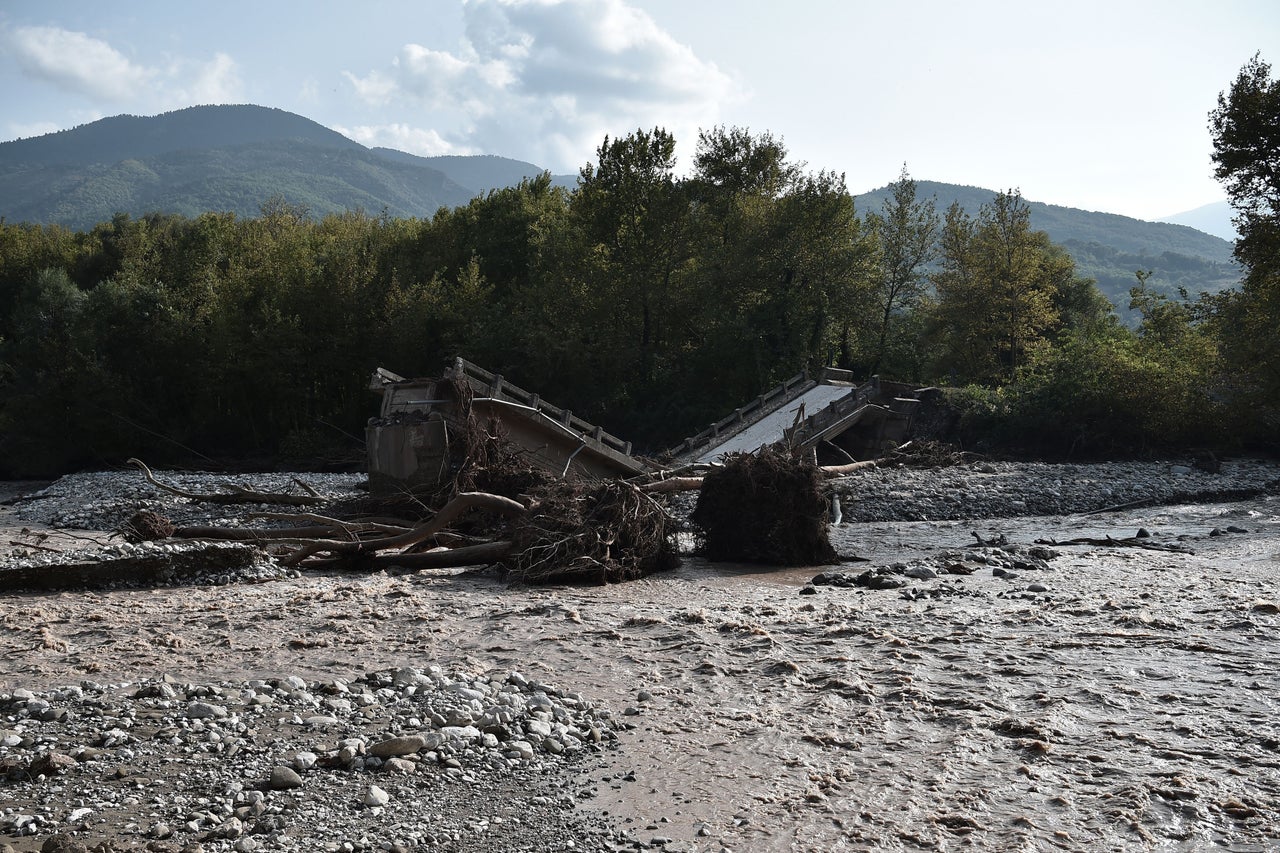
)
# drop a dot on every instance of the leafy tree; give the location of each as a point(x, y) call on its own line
point(1246, 139)
point(995, 290)
point(47, 360)
point(783, 262)
point(737, 182)
point(907, 234)
point(824, 275)
point(1246, 155)
point(733, 164)
point(632, 215)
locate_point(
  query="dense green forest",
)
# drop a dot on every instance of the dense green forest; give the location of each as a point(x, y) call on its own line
point(644, 300)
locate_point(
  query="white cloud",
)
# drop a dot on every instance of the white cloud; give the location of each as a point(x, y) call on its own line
point(546, 80)
point(88, 66)
point(77, 62)
point(402, 137)
point(216, 82)
point(375, 88)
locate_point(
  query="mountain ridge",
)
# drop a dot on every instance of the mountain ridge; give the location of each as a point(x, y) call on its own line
point(1107, 247)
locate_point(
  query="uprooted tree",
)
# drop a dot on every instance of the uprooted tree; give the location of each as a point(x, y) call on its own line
point(765, 507)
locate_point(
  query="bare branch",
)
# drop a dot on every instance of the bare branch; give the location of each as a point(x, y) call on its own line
point(841, 470)
point(675, 484)
point(450, 511)
point(238, 495)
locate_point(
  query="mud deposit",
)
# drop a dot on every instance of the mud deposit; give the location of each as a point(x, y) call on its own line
point(1104, 698)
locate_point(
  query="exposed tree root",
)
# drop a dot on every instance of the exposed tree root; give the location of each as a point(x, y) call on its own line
point(767, 507)
point(603, 534)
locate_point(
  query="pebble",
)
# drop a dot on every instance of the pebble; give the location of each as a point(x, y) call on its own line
point(375, 797)
point(284, 778)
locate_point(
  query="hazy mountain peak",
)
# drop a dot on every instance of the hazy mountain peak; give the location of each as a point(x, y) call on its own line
point(1214, 218)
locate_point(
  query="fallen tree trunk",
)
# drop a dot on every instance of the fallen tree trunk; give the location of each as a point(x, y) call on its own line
point(445, 558)
point(1127, 542)
point(691, 484)
point(246, 534)
point(674, 484)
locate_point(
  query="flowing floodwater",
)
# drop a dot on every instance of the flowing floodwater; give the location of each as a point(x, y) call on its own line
point(1131, 704)
point(1118, 698)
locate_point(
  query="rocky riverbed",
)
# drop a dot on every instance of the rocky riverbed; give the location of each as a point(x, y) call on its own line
point(987, 684)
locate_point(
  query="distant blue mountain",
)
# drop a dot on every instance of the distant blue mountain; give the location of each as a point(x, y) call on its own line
point(1212, 219)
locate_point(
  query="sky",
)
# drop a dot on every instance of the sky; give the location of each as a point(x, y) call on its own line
point(1096, 105)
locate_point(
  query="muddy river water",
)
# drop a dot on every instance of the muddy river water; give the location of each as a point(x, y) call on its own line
point(1119, 698)
point(1131, 704)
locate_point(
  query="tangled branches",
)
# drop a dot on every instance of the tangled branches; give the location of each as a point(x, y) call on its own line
point(603, 534)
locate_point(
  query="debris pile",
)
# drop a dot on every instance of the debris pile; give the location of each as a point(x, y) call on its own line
point(767, 507)
point(607, 533)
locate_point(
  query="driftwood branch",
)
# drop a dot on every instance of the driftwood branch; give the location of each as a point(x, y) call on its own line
point(674, 484)
point(689, 484)
point(449, 512)
point(352, 527)
point(247, 534)
point(841, 470)
point(238, 495)
point(33, 545)
point(445, 558)
point(1127, 542)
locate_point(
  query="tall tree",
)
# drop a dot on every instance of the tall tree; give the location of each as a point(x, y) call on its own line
point(632, 215)
point(996, 289)
point(907, 234)
point(783, 260)
point(1246, 142)
point(1246, 155)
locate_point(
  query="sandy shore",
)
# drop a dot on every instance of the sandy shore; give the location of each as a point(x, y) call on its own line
point(1117, 698)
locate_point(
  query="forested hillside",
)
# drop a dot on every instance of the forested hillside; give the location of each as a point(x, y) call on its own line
point(125, 137)
point(646, 300)
point(1105, 246)
point(237, 179)
point(224, 159)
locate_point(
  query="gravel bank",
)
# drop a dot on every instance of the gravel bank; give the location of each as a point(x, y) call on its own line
point(1007, 489)
point(394, 761)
